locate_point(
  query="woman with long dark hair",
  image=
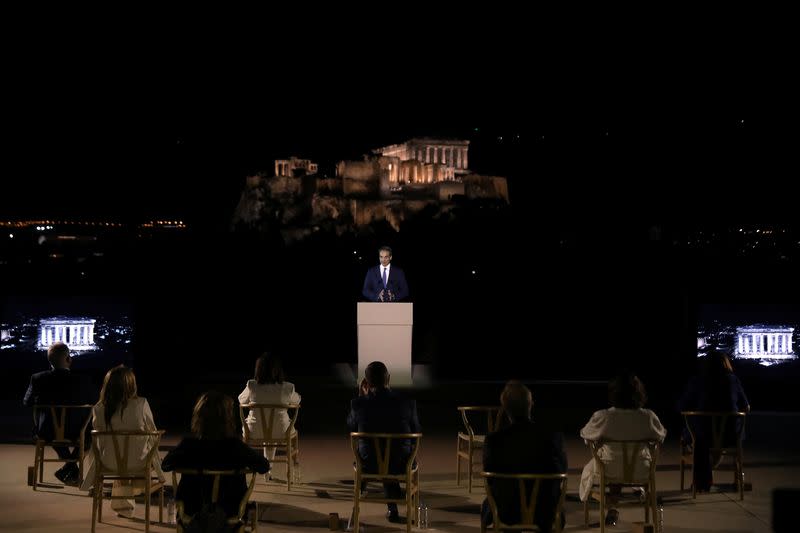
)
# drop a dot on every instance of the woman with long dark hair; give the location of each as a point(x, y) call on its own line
point(213, 446)
point(717, 389)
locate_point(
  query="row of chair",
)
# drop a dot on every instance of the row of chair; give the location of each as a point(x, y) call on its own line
point(726, 430)
point(121, 443)
point(468, 443)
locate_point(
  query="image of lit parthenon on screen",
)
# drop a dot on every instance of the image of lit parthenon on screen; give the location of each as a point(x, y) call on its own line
point(763, 341)
point(77, 333)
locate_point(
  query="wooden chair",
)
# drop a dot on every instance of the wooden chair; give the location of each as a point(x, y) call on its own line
point(471, 441)
point(627, 454)
point(410, 475)
point(527, 502)
point(120, 442)
point(725, 434)
point(239, 523)
point(265, 414)
point(59, 415)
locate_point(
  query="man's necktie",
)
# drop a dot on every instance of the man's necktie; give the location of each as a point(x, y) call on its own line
point(384, 278)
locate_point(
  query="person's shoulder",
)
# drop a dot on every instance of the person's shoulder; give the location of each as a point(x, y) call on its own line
point(44, 374)
point(139, 401)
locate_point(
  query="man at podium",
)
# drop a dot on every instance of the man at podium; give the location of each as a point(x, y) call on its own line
point(385, 283)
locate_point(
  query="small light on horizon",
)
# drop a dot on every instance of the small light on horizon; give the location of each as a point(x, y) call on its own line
point(10, 235)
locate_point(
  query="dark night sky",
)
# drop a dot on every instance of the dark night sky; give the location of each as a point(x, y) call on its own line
point(593, 142)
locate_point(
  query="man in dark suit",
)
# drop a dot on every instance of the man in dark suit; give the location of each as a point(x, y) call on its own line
point(59, 386)
point(385, 283)
point(522, 448)
point(378, 409)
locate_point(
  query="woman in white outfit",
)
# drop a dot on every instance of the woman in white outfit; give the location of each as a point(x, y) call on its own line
point(121, 409)
point(626, 419)
point(269, 386)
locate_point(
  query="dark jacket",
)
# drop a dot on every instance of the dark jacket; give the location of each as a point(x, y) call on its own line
point(396, 282)
point(223, 454)
point(384, 411)
point(59, 386)
point(525, 448)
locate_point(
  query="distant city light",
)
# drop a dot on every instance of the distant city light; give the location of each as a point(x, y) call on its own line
point(10, 235)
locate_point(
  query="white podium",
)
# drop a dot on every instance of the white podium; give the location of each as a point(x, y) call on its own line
point(384, 334)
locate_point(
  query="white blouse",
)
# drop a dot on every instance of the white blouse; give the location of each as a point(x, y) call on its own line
point(136, 416)
point(619, 424)
point(274, 393)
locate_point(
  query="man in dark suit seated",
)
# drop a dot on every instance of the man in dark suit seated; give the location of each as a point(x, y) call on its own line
point(59, 386)
point(378, 409)
point(522, 448)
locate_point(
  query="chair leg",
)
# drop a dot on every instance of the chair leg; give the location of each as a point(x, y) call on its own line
point(682, 467)
point(458, 461)
point(694, 485)
point(740, 475)
point(161, 505)
point(100, 501)
point(356, 525)
point(97, 498)
point(296, 457)
point(147, 496)
point(469, 468)
point(602, 509)
point(409, 511)
point(289, 465)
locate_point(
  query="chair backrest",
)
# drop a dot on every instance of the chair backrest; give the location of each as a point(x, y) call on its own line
point(216, 477)
point(527, 501)
point(60, 415)
point(382, 443)
point(121, 446)
point(630, 453)
point(722, 425)
point(473, 417)
point(265, 414)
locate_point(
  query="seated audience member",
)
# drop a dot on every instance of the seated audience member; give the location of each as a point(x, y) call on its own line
point(378, 409)
point(60, 386)
point(121, 409)
point(716, 388)
point(214, 446)
point(626, 419)
point(523, 447)
point(269, 386)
